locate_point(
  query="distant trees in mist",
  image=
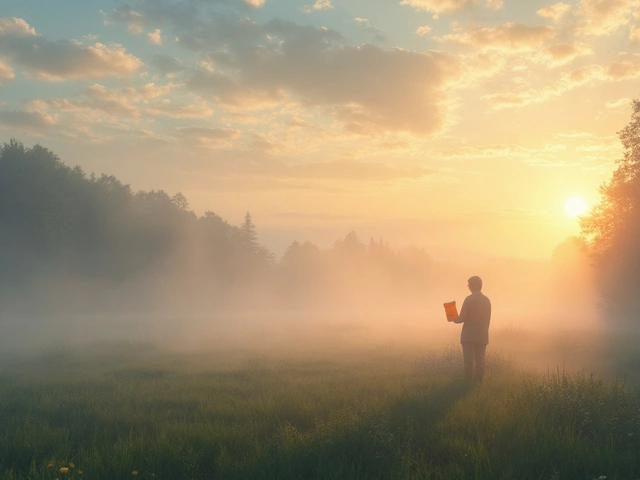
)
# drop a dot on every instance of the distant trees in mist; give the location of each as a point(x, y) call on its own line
point(62, 227)
point(612, 229)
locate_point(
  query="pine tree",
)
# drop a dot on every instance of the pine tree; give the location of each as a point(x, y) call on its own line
point(249, 236)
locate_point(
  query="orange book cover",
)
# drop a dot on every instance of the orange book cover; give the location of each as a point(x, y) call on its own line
point(451, 311)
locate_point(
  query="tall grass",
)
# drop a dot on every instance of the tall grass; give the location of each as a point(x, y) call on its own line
point(130, 412)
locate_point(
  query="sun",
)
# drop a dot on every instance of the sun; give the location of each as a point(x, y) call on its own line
point(575, 207)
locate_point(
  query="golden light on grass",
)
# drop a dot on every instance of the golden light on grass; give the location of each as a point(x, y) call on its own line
point(575, 207)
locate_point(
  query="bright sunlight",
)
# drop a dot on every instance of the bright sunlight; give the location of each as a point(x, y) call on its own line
point(575, 207)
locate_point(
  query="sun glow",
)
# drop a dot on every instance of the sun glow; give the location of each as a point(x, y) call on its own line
point(575, 207)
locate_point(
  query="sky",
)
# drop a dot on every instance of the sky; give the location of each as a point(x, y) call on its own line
point(461, 126)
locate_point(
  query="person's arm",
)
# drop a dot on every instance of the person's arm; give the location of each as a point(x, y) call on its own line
point(464, 312)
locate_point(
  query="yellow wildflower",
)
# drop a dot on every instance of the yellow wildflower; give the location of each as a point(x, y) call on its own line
point(50, 465)
point(134, 473)
point(63, 469)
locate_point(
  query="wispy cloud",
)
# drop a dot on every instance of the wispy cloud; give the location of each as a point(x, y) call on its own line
point(6, 72)
point(423, 30)
point(620, 103)
point(155, 37)
point(27, 120)
point(437, 7)
point(555, 12)
point(602, 17)
point(562, 53)
point(62, 60)
point(365, 24)
point(509, 37)
point(634, 35)
point(166, 63)
point(588, 75)
point(318, 5)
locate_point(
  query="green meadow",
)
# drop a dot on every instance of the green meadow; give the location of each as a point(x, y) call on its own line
point(134, 410)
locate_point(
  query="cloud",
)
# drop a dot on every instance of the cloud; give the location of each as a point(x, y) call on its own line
point(166, 63)
point(494, 4)
point(509, 37)
point(588, 75)
point(622, 70)
point(94, 98)
point(620, 103)
point(6, 72)
point(255, 3)
point(602, 17)
point(135, 29)
point(437, 7)
point(562, 53)
point(208, 137)
point(554, 12)
point(126, 102)
point(365, 25)
point(62, 60)
point(155, 37)
point(365, 87)
point(318, 5)
point(189, 110)
point(423, 30)
point(250, 65)
point(634, 35)
point(25, 120)
point(15, 27)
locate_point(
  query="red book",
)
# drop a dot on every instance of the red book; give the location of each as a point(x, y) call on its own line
point(451, 311)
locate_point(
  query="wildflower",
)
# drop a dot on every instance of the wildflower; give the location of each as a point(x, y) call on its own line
point(63, 469)
point(79, 472)
point(72, 465)
point(50, 465)
point(134, 473)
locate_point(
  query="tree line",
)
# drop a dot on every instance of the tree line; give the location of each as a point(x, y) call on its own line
point(611, 230)
point(59, 224)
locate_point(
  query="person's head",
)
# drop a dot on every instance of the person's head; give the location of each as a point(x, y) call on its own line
point(475, 283)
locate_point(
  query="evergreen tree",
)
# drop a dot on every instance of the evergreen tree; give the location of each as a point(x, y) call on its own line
point(249, 235)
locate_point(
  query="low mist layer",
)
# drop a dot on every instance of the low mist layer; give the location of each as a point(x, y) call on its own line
point(86, 259)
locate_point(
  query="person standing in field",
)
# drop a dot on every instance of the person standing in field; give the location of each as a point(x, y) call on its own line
point(475, 316)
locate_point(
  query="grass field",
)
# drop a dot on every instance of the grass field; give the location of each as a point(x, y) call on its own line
point(132, 410)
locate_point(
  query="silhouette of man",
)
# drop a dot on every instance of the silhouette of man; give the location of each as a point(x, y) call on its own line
point(475, 316)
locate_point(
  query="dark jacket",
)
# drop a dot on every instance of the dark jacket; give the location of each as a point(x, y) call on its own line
point(475, 314)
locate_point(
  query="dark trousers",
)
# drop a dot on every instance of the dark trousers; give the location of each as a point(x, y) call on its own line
point(474, 351)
